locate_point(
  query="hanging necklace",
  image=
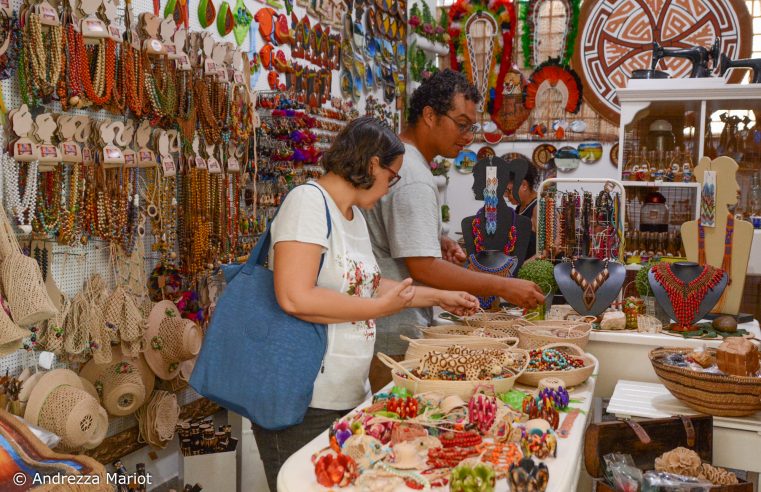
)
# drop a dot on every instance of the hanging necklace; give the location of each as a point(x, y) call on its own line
point(21, 207)
point(589, 290)
point(686, 297)
point(726, 262)
point(478, 237)
point(505, 270)
point(490, 201)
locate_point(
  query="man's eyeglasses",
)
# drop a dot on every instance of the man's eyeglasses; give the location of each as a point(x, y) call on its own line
point(394, 178)
point(463, 128)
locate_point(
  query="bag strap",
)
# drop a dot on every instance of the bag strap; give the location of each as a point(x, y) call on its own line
point(261, 250)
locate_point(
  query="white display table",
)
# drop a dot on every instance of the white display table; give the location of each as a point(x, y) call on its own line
point(754, 267)
point(624, 354)
point(297, 474)
point(736, 440)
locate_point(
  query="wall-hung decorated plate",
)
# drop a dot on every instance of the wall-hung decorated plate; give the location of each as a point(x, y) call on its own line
point(567, 159)
point(614, 154)
point(346, 85)
point(357, 85)
point(401, 54)
point(465, 161)
point(509, 156)
point(543, 155)
point(485, 153)
point(590, 152)
point(491, 133)
point(347, 54)
point(378, 74)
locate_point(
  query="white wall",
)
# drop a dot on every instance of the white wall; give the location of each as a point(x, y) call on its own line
point(460, 195)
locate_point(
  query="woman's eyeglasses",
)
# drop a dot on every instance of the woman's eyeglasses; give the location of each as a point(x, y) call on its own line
point(394, 178)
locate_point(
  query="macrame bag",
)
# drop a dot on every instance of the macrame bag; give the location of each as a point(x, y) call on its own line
point(28, 299)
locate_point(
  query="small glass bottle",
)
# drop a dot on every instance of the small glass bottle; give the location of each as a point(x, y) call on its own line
point(755, 201)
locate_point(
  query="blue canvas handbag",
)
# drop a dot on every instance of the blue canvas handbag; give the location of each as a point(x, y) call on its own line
point(256, 360)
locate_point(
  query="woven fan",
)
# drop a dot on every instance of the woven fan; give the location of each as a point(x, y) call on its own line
point(480, 52)
point(554, 73)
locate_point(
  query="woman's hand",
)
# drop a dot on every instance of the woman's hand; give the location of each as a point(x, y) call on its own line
point(397, 297)
point(458, 303)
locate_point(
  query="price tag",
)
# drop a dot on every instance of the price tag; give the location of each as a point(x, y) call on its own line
point(222, 75)
point(87, 156)
point(6, 4)
point(167, 165)
point(200, 162)
point(129, 159)
point(214, 167)
point(70, 150)
point(24, 149)
point(232, 165)
point(183, 62)
point(238, 77)
point(48, 15)
point(115, 32)
point(209, 67)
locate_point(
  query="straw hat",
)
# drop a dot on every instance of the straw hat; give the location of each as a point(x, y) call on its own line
point(170, 340)
point(60, 404)
point(157, 419)
point(11, 334)
point(123, 385)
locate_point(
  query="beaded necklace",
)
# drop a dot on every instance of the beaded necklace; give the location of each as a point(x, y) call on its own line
point(490, 203)
point(726, 262)
point(589, 290)
point(99, 89)
point(50, 202)
point(686, 297)
point(478, 237)
point(22, 208)
point(44, 55)
point(504, 270)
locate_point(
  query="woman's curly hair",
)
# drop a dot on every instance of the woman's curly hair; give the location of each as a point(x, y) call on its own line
point(354, 146)
point(438, 91)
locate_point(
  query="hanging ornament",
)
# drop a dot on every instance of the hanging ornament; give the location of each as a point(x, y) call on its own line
point(530, 39)
point(265, 17)
point(225, 20)
point(480, 52)
point(206, 13)
point(243, 19)
point(177, 10)
point(556, 74)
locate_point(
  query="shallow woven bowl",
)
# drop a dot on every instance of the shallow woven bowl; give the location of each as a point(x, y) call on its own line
point(574, 377)
point(400, 372)
point(538, 333)
point(418, 348)
point(712, 394)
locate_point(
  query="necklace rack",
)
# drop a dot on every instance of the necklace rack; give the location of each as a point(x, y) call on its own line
point(589, 290)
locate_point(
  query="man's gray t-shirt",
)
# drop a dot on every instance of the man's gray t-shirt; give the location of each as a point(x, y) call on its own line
point(405, 223)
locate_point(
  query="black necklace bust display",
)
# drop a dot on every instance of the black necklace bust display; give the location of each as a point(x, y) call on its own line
point(506, 217)
point(670, 293)
point(590, 285)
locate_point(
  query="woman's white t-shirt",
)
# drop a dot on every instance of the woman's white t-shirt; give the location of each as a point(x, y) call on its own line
point(349, 267)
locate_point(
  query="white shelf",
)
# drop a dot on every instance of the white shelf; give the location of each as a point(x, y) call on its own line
point(659, 184)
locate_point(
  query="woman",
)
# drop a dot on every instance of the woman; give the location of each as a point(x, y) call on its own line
point(360, 166)
point(527, 205)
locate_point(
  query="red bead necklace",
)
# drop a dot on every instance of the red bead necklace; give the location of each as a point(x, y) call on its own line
point(686, 297)
point(478, 236)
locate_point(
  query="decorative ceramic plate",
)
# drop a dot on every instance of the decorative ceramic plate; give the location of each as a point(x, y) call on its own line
point(542, 155)
point(509, 156)
point(590, 152)
point(485, 153)
point(616, 37)
point(614, 154)
point(465, 161)
point(346, 85)
point(567, 159)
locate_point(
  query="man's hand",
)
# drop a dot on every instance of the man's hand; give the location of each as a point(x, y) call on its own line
point(522, 293)
point(451, 251)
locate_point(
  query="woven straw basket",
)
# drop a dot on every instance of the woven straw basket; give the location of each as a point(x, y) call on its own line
point(540, 333)
point(418, 348)
point(502, 322)
point(400, 372)
point(28, 299)
point(574, 377)
point(712, 394)
point(462, 331)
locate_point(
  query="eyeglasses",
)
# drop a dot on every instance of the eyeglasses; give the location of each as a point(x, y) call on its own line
point(464, 128)
point(394, 178)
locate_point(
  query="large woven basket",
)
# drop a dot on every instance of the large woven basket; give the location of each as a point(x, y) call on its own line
point(403, 377)
point(502, 322)
point(574, 377)
point(463, 331)
point(418, 348)
point(540, 333)
point(713, 394)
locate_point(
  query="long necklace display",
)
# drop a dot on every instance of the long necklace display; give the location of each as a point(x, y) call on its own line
point(726, 262)
point(505, 270)
point(50, 201)
point(686, 297)
point(43, 55)
point(98, 86)
point(478, 237)
point(22, 208)
point(490, 205)
point(589, 289)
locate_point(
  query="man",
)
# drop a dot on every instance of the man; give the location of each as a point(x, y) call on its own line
point(405, 226)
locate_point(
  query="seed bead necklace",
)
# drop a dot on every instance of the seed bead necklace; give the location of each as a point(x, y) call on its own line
point(21, 207)
point(686, 297)
point(478, 236)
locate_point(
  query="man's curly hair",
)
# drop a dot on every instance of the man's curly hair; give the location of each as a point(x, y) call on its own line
point(438, 92)
point(358, 142)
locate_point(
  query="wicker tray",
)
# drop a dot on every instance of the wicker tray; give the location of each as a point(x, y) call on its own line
point(574, 377)
point(416, 349)
point(712, 394)
point(540, 333)
point(464, 331)
point(400, 372)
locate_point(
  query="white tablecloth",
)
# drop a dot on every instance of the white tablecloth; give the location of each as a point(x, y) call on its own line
point(297, 474)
